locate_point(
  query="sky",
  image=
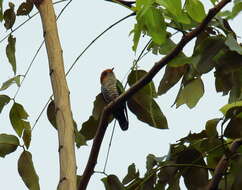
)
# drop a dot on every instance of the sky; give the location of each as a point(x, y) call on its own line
point(81, 22)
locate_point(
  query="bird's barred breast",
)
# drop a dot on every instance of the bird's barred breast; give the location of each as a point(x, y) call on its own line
point(109, 91)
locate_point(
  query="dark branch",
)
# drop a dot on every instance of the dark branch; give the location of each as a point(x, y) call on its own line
point(125, 3)
point(223, 165)
point(102, 125)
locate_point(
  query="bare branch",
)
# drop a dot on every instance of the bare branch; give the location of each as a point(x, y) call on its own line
point(222, 166)
point(61, 93)
point(102, 125)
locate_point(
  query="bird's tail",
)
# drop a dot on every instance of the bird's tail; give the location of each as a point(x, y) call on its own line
point(122, 117)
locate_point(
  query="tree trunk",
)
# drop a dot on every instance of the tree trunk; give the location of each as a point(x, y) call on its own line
point(61, 97)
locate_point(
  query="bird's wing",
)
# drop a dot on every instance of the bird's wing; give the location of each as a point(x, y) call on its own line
point(120, 87)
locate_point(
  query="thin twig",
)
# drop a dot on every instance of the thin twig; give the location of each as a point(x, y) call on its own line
point(95, 39)
point(103, 122)
point(109, 147)
point(141, 55)
point(19, 26)
point(29, 67)
point(38, 50)
point(99, 172)
point(63, 9)
point(41, 112)
point(29, 18)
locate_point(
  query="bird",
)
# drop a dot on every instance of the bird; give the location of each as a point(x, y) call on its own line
point(110, 91)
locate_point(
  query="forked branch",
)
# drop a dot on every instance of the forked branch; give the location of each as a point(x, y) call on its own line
point(102, 125)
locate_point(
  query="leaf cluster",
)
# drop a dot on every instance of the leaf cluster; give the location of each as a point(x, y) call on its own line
point(217, 50)
point(142, 104)
point(192, 158)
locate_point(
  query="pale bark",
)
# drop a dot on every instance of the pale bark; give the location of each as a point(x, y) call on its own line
point(61, 97)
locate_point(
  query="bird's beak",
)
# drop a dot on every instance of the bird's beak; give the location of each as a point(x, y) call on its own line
point(112, 69)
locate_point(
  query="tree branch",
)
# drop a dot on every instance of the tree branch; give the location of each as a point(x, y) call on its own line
point(222, 166)
point(102, 125)
point(61, 96)
point(124, 3)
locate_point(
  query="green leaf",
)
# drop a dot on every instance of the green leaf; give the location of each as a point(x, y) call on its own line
point(180, 60)
point(149, 89)
point(18, 118)
point(236, 171)
point(167, 47)
point(155, 24)
point(27, 172)
point(9, 82)
point(195, 10)
point(236, 9)
point(234, 129)
point(214, 157)
point(228, 74)
point(232, 112)
point(8, 144)
point(1, 10)
point(136, 38)
point(98, 106)
point(194, 178)
point(27, 136)
point(233, 44)
point(174, 151)
point(131, 175)
point(4, 100)
point(205, 51)
point(191, 138)
point(175, 183)
point(210, 143)
point(120, 87)
point(213, 1)
point(51, 115)
point(183, 18)
point(173, 6)
point(171, 76)
point(9, 16)
point(211, 125)
point(152, 160)
point(78, 180)
point(79, 138)
point(89, 128)
point(143, 5)
point(147, 110)
point(168, 175)
point(10, 51)
point(142, 103)
point(151, 21)
point(191, 93)
point(25, 8)
point(148, 181)
point(227, 107)
point(112, 183)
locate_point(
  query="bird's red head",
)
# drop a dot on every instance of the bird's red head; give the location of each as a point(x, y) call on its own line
point(105, 74)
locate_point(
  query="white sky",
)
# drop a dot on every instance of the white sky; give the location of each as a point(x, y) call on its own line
point(78, 26)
